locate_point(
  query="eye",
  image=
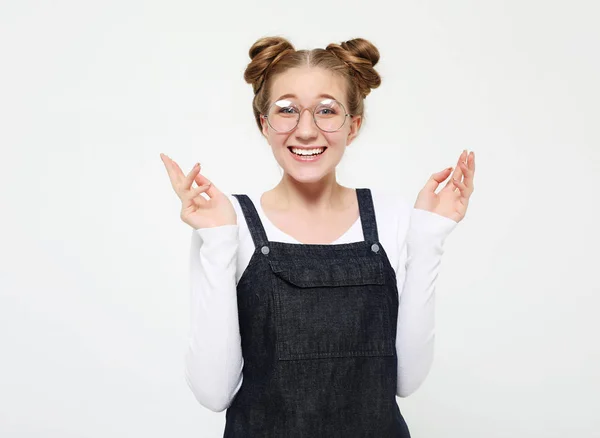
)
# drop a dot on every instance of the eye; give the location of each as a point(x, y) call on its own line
point(328, 108)
point(327, 111)
point(287, 110)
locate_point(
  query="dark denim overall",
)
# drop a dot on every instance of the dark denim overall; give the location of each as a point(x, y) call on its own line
point(318, 331)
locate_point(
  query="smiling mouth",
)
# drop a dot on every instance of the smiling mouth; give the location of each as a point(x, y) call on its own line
point(307, 152)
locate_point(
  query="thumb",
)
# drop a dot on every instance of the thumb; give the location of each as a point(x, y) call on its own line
point(434, 180)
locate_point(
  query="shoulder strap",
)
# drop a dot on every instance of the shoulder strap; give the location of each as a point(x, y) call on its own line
point(257, 231)
point(367, 214)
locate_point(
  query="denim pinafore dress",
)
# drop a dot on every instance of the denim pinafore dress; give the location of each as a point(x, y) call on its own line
point(318, 332)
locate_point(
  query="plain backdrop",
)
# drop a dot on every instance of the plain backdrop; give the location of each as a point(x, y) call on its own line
point(94, 283)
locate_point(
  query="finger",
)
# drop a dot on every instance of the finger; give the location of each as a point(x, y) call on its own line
point(178, 171)
point(212, 190)
point(189, 179)
point(196, 195)
point(468, 177)
point(460, 186)
point(198, 190)
point(448, 186)
point(457, 174)
point(201, 179)
point(453, 186)
point(435, 179)
point(467, 181)
point(175, 172)
point(464, 191)
point(170, 170)
point(469, 170)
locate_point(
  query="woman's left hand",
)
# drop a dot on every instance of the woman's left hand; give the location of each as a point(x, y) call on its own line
point(452, 201)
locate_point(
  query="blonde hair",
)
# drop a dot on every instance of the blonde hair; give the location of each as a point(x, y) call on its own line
point(353, 60)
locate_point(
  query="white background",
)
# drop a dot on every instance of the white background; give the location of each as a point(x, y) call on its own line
point(94, 258)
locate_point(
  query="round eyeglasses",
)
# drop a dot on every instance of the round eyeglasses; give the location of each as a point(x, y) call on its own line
point(284, 115)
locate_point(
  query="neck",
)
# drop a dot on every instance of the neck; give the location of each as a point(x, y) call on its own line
point(319, 196)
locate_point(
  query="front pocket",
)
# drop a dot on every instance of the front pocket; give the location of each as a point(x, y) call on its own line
point(331, 308)
point(357, 271)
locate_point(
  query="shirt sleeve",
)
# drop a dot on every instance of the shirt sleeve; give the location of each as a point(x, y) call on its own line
point(421, 243)
point(213, 361)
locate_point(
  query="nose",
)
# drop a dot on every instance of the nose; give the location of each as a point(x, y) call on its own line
point(306, 126)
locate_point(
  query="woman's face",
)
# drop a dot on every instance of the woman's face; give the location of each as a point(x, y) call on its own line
point(307, 87)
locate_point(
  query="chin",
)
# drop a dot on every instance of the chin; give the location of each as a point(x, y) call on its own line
point(306, 179)
point(307, 172)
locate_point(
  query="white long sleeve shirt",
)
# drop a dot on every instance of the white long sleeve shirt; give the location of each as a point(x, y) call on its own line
point(413, 240)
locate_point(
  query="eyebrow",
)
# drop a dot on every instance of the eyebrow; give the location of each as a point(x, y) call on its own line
point(285, 96)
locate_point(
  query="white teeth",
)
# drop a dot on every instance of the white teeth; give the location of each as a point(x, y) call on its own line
point(316, 151)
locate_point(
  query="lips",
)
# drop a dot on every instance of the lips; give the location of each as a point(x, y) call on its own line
point(305, 148)
point(307, 158)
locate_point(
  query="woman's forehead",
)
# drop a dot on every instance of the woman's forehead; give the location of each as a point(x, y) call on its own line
point(306, 85)
point(294, 98)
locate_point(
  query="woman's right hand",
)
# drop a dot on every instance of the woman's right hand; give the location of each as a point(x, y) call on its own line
point(197, 211)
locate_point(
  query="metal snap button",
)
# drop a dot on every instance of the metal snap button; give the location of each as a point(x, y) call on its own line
point(374, 247)
point(265, 250)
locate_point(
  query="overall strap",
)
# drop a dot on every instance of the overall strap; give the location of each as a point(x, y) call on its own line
point(367, 214)
point(257, 231)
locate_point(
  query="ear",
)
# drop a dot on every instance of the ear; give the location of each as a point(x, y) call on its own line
point(265, 126)
point(354, 128)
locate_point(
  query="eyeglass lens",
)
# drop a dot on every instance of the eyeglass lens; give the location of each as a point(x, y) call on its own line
point(329, 115)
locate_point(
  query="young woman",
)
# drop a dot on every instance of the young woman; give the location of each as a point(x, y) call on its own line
point(312, 303)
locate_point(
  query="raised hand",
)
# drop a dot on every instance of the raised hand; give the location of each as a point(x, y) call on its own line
point(452, 201)
point(197, 211)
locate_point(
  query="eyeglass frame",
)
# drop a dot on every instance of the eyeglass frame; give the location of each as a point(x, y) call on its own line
point(266, 116)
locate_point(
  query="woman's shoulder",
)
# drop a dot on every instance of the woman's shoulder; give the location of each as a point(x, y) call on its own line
point(252, 195)
point(392, 210)
point(389, 201)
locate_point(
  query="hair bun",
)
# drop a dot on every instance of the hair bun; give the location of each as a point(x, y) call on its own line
point(264, 53)
point(361, 56)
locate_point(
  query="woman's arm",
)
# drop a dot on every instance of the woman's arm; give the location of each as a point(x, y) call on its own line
point(421, 247)
point(213, 361)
